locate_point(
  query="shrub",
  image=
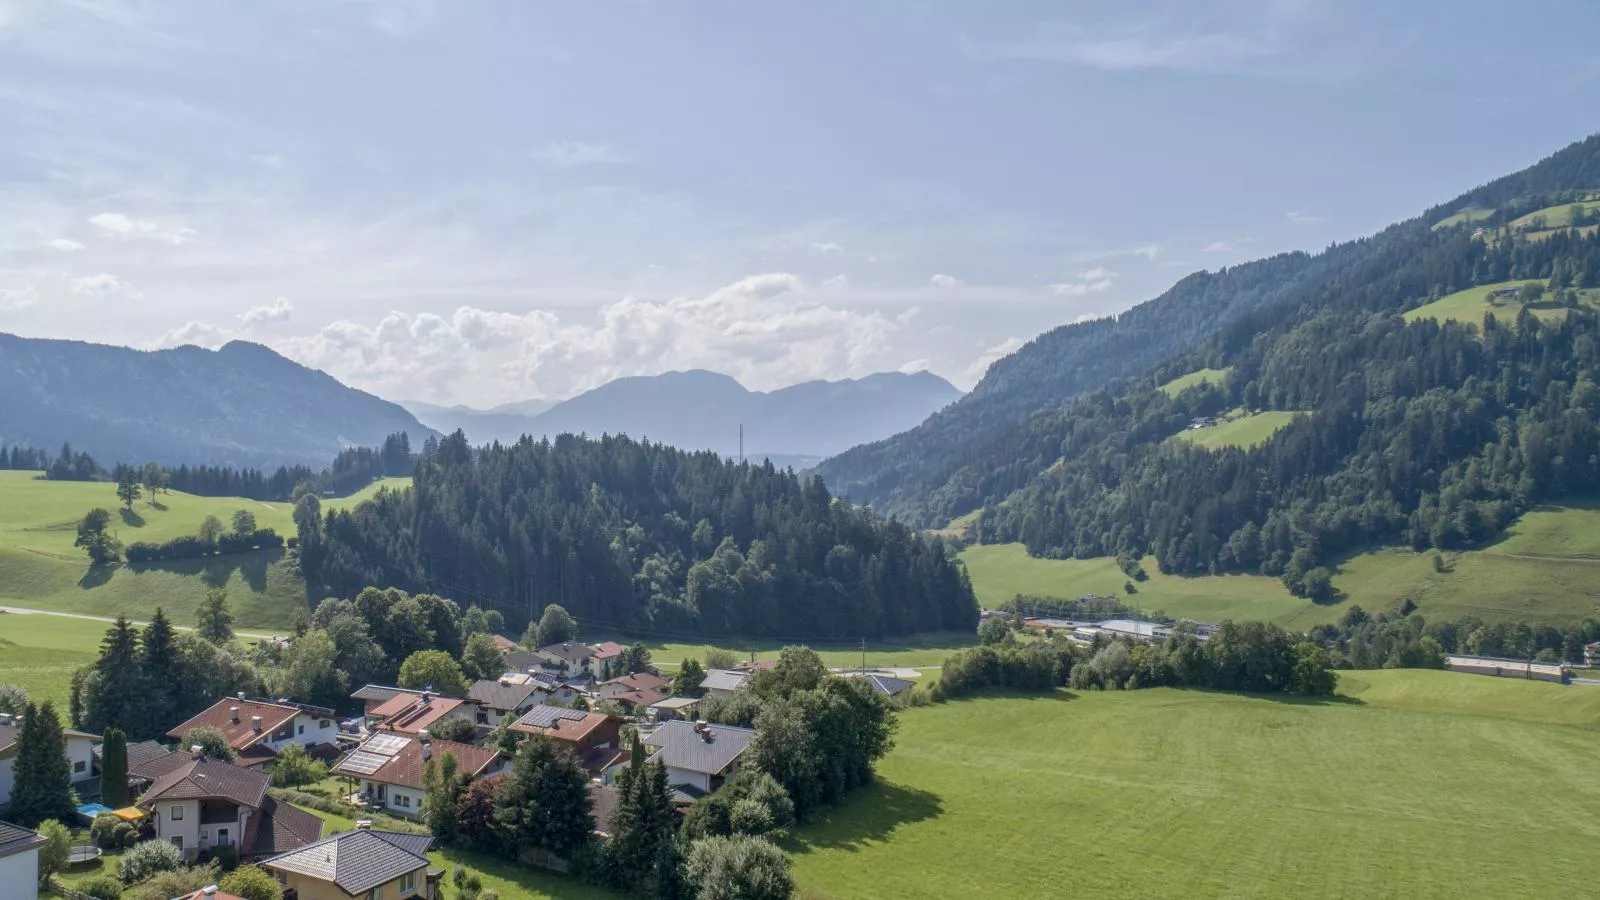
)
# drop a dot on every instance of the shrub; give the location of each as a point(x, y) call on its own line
point(147, 859)
point(294, 766)
point(738, 868)
point(127, 836)
point(54, 851)
point(177, 883)
point(103, 832)
point(251, 883)
point(226, 858)
point(101, 887)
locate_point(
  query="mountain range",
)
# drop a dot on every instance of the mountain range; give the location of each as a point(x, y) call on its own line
point(240, 405)
point(704, 410)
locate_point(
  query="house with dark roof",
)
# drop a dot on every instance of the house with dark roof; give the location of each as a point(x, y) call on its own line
point(722, 682)
point(509, 696)
point(205, 804)
point(638, 681)
point(258, 729)
point(569, 659)
point(373, 696)
point(365, 863)
point(388, 768)
point(593, 737)
point(698, 757)
point(415, 713)
point(19, 860)
point(78, 745)
point(602, 655)
point(883, 684)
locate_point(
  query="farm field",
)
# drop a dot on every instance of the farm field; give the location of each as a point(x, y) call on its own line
point(1246, 431)
point(40, 568)
point(1473, 304)
point(1471, 214)
point(999, 572)
point(922, 650)
point(1144, 793)
point(40, 653)
point(1559, 216)
point(1200, 376)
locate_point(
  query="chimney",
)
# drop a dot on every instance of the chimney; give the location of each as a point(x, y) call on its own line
point(197, 750)
point(239, 696)
point(255, 724)
point(426, 697)
point(427, 750)
point(209, 890)
point(233, 714)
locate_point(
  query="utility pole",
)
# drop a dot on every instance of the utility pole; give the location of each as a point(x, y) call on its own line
point(863, 655)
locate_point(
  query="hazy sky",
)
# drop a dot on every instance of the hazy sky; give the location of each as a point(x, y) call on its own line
point(482, 202)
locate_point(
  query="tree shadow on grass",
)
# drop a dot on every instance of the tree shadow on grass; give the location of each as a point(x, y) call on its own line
point(216, 571)
point(1058, 695)
point(1288, 699)
point(96, 576)
point(158, 506)
point(870, 814)
point(131, 518)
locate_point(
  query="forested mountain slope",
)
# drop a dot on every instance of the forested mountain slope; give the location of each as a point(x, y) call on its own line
point(242, 405)
point(641, 536)
point(1423, 432)
point(969, 453)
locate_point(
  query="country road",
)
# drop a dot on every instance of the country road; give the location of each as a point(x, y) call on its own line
point(24, 611)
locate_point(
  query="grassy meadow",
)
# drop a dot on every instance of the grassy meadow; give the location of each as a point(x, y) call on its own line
point(1200, 376)
point(41, 569)
point(1470, 214)
point(40, 653)
point(1473, 305)
point(921, 650)
point(1417, 784)
point(1246, 431)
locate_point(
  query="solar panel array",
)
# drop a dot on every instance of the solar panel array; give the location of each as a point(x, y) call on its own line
point(363, 763)
point(386, 744)
point(546, 716)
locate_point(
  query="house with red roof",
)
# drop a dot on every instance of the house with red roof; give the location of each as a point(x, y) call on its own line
point(257, 729)
point(205, 804)
point(388, 768)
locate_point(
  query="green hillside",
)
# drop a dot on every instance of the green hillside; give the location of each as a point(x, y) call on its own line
point(41, 569)
point(1473, 304)
point(1200, 376)
point(1186, 794)
point(1552, 217)
point(40, 653)
point(1242, 430)
point(1471, 214)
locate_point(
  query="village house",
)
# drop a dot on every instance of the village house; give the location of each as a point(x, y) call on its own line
point(674, 708)
point(257, 729)
point(204, 804)
point(569, 659)
point(593, 737)
point(388, 768)
point(148, 761)
point(503, 643)
point(415, 713)
point(19, 861)
point(885, 685)
point(373, 696)
point(638, 703)
point(639, 681)
point(604, 654)
point(1591, 654)
point(509, 696)
point(698, 757)
point(364, 863)
point(722, 682)
point(1508, 668)
point(79, 748)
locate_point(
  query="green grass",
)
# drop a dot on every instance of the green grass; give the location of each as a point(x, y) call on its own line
point(41, 569)
point(1542, 572)
point(41, 653)
point(1473, 304)
point(1202, 376)
point(999, 572)
point(1470, 214)
point(1246, 431)
point(1425, 784)
point(921, 650)
point(1554, 216)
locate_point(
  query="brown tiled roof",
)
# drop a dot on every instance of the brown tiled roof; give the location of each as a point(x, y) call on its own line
point(404, 769)
point(379, 692)
point(501, 642)
point(280, 828)
point(607, 650)
point(413, 715)
point(561, 724)
point(255, 755)
point(596, 761)
point(639, 681)
point(204, 778)
point(640, 698)
point(240, 734)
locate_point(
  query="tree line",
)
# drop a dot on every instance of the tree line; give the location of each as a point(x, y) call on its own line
point(637, 536)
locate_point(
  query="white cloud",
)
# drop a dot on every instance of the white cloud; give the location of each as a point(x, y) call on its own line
point(17, 299)
point(1148, 251)
point(1218, 247)
point(944, 281)
point(267, 160)
point(124, 226)
point(199, 334)
point(64, 245)
point(1299, 217)
point(914, 366)
point(277, 311)
point(828, 247)
point(989, 355)
point(1137, 47)
point(1097, 280)
point(102, 285)
point(568, 154)
point(837, 283)
point(909, 313)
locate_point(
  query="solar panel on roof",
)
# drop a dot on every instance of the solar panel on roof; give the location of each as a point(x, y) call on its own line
point(545, 716)
point(364, 763)
point(386, 744)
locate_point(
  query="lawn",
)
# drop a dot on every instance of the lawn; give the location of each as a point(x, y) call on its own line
point(1470, 214)
point(41, 653)
point(1424, 784)
point(1554, 216)
point(1247, 430)
point(921, 650)
point(41, 569)
point(999, 572)
point(1473, 304)
point(1200, 376)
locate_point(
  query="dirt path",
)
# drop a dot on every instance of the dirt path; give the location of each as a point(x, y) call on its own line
point(24, 611)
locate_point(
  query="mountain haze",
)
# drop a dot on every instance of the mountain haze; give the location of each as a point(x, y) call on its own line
point(698, 409)
point(241, 405)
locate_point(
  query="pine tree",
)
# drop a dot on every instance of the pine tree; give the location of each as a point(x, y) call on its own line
point(642, 822)
point(114, 769)
point(159, 663)
point(111, 693)
point(545, 801)
point(43, 776)
point(213, 621)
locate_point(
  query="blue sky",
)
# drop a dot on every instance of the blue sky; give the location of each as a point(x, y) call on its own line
point(482, 202)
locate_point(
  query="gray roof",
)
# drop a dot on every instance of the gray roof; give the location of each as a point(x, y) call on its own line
point(522, 660)
point(682, 746)
point(545, 716)
point(149, 760)
point(379, 693)
point(201, 779)
point(677, 703)
point(571, 651)
point(15, 839)
point(11, 730)
point(495, 695)
point(724, 680)
point(357, 861)
point(887, 686)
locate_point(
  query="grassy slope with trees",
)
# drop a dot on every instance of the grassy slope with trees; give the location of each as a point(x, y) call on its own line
point(1115, 790)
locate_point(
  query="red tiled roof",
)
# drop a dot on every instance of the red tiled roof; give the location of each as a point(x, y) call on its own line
point(562, 728)
point(404, 769)
point(607, 650)
point(501, 642)
point(241, 733)
point(639, 681)
point(640, 698)
point(411, 715)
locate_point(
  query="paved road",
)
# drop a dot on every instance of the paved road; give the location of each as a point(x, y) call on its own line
point(24, 611)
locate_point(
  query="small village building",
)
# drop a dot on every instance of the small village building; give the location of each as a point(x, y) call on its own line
point(674, 708)
point(885, 685)
point(636, 703)
point(602, 655)
point(79, 746)
point(639, 681)
point(388, 768)
point(205, 804)
point(509, 696)
point(593, 737)
point(364, 863)
point(569, 659)
point(698, 756)
point(1508, 668)
point(19, 861)
point(257, 729)
point(415, 714)
point(503, 643)
point(722, 682)
point(1591, 654)
point(373, 696)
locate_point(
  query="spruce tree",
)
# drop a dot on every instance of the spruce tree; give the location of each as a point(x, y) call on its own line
point(114, 769)
point(544, 803)
point(159, 663)
point(43, 776)
point(642, 822)
point(113, 691)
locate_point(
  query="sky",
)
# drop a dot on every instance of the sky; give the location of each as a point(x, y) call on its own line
point(477, 203)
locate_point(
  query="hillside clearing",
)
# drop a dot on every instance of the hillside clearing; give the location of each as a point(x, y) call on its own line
point(1215, 377)
point(1554, 217)
point(1109, 791)
point(1470, 214)
point(41, 653)
point(1245, 431)
point(1472, 305)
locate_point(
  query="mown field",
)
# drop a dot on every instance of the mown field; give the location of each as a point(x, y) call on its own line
point(1200, 376)
point(921, 650)
point(1473, 304)
point(1247, 430)
point(41, 653)
point(1418, 784)
point(41, 569)
point(999, 572)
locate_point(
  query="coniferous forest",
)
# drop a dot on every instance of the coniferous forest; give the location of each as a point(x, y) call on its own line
point(639, 536)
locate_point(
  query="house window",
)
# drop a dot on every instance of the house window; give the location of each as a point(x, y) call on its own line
point(325, 723)
point(374, 893)
point(175, 814)
point(302, 728)
point(408, 882)
point(177, 841)
point(79, 767)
